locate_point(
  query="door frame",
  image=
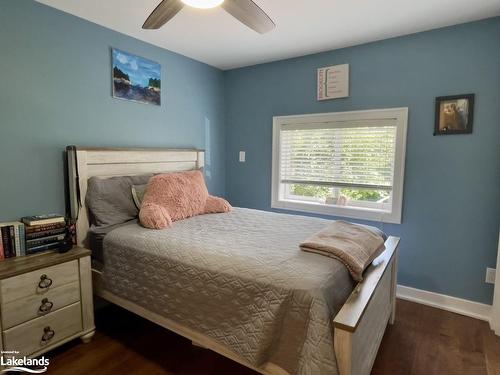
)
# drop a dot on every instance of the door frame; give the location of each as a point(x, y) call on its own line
point(495, 312)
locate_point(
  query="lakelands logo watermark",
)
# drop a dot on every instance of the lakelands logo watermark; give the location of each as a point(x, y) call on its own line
point(10, 362)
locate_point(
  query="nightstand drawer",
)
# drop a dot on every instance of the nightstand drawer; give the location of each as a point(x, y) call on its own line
point(27, 308)
point(41, 332)
point(40, 282)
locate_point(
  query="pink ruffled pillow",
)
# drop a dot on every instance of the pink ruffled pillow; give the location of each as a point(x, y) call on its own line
point(176, 196)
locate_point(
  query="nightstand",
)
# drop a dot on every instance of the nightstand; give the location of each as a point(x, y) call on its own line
point(46, 300)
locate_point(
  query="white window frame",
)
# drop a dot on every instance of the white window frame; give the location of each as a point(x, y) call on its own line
point(365, 213)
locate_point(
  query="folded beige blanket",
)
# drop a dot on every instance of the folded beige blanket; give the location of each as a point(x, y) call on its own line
point(354, 245)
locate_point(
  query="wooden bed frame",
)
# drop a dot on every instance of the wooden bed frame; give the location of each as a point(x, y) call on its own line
point(358, 327)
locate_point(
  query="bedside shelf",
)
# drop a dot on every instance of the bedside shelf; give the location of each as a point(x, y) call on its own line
point(18, 265)
point(46, 300)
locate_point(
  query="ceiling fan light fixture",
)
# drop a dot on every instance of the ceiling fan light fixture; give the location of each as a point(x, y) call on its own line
point(203, 4)
point(245, 11)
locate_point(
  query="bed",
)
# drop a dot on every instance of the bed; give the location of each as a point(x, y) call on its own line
point(237, 283)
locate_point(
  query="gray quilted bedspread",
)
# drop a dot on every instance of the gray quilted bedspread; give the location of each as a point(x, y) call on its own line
point(239, 278)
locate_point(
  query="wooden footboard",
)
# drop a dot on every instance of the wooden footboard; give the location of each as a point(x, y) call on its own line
point(360, 324)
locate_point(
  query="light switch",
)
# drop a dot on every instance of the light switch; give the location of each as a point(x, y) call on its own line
point(242, 156)
point(490, 275)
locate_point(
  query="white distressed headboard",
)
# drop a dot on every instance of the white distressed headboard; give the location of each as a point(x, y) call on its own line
point(85, 162)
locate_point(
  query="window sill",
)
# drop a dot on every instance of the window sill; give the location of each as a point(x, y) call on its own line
point(341, 211)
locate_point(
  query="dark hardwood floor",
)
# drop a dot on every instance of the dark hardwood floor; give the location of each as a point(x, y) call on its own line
point(429, 341)
point(423, 341)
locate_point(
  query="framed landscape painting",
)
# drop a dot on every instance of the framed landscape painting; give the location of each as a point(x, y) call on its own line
point(136, 78)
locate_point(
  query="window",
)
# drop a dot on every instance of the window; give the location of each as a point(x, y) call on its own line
point(344, 164)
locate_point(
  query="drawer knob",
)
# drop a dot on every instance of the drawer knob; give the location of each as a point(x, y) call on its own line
point(45, 282)
point(48, 334)
point(46, 306)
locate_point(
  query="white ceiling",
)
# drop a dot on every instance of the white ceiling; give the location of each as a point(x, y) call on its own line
point(303, 26)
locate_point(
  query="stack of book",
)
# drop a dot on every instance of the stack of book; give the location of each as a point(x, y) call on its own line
point(12, 240)
point(44, 232)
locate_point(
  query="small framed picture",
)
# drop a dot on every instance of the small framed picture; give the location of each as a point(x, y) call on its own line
point(454, 114)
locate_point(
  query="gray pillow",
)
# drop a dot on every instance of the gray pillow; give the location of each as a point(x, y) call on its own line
point(138, 192)
point(110, 199)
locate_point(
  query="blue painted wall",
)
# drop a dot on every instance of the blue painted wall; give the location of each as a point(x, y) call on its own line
point(55, 90)
point(452, 185)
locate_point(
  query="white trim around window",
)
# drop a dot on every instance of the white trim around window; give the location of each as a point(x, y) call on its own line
point(281, 197)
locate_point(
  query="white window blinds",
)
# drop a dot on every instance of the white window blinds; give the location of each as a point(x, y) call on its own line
point(358, 153)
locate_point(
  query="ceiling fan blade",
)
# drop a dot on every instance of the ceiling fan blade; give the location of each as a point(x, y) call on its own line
point(163, 13)
point(249, 13)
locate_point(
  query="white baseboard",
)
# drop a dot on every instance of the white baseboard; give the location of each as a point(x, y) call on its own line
point(457, 305)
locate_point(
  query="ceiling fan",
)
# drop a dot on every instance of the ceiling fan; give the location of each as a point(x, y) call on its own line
point(245, 11)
